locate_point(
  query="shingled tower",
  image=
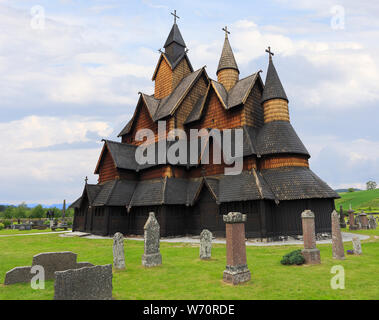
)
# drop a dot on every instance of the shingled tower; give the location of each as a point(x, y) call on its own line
point(274, 187)
point(227, 71)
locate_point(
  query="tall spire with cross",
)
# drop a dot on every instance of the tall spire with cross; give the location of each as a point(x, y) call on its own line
point(227, 71)
point(174, 45)
point(273, 87)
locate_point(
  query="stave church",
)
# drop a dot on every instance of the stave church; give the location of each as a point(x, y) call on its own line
point(274, 187)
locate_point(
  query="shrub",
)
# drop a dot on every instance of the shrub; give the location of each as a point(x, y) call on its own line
point(1, 226)
point(46, 222)
point(294, 257)
point(6, 223)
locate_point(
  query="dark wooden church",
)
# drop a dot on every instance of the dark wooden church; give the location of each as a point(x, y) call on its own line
point(276, 183)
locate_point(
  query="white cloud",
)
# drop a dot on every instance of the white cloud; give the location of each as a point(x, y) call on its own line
point(36, 132)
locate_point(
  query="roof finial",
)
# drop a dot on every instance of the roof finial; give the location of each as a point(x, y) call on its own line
point(268, 50)
point(175, 16)
point(226, 31)
point(86, 179)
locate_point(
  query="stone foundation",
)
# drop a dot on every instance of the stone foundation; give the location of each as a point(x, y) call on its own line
point(237, 274)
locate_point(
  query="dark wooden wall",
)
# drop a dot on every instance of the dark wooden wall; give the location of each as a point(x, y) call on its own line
point(264, 218)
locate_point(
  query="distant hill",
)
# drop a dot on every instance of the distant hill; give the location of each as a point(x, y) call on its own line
point(345, 190)
point(367, 200)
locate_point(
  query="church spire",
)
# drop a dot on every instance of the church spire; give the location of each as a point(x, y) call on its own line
point(227, 71)
point(273, 86)
point(174, 45)
point(274, 98)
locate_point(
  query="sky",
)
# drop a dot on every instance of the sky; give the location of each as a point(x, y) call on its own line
point(70, 73)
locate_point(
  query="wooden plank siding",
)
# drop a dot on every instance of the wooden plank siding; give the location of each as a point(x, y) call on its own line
point(163, 80)
point(108, 170)
point(283, 161)
point(216, 116)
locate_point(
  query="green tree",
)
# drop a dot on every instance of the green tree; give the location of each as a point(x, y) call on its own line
point(351, 190)
point(37, 212)
point(21, 211)
point(371, 185)
point(9, 213)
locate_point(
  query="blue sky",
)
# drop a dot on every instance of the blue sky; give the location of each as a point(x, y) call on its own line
point(67, 86)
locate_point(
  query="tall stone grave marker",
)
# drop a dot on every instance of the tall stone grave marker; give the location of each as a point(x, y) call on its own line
point(363, 220)
point(118, 251)
point(236, 269)
point(310, 252)
point(152, 257)
point(205, 244)
point(357, 248)
point(342, 218)
point(352, 225)
point(337, 243)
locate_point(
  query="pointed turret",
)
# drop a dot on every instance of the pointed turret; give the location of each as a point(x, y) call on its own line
point(174, 46)
point(273, 86)
point(274, 98)
point(173, 64)
point(227, 71)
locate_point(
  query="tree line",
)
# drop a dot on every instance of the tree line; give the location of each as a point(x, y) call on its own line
point(22, 211)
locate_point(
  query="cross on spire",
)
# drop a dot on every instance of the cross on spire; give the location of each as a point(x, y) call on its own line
point(175, 16)
point(226, 31)
point(268, 50)
point(86, 180)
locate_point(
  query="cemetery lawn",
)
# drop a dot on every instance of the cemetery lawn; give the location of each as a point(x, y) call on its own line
point(184, 276)
point(5, 232)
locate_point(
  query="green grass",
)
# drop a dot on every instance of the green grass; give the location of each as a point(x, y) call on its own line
point(184, 276)
point(12, 232)
point(359, 200)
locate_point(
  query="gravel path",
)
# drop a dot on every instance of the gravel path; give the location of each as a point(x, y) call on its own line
point(346, 236)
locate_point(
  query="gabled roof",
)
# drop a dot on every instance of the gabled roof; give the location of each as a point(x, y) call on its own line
point(279, 137)
point(196, 111)
point(175, 36)
point(293, 183)
point(76, 203)
point(169, 104)
point(123, 155)
point(227, 60)
point(273, 87)
point(243, 187)
point(172, 63)
point(236, 96)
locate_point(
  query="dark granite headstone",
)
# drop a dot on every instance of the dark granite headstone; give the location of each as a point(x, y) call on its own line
point(88, 283)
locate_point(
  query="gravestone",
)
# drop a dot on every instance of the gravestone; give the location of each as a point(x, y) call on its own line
point(18, 275)
point(236, 265)
point(337, 243)
point(342, 218)
point(372, 224)
point(352, 225)
point(310, 253)
point(50, 261)
point(363, 220)
point(205, 244)
point(357, 247)
point(118, 251)
point(88, 283)
point(151, 257)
